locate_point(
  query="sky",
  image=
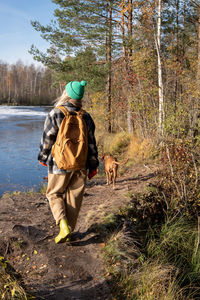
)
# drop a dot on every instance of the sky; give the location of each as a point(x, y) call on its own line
point(16, 32)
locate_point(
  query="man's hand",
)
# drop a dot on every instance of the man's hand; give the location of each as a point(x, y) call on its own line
point(92, 173)
point(43, 164)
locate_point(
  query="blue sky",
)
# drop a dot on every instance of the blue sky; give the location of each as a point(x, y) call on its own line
point(16, 33)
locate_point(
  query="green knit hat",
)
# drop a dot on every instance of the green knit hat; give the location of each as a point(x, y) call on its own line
point(75, 89)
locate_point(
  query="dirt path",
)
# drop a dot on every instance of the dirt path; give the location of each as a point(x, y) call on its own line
point(71, 270)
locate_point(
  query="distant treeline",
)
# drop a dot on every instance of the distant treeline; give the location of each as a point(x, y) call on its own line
point(22, 84)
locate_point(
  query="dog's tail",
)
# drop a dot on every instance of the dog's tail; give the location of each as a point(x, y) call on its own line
point(120, 163)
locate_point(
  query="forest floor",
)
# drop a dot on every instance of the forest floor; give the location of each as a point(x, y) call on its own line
point(72, 270)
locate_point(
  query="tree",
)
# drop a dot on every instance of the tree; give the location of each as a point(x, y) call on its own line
point(160, 81)
point(79, 26)
point(109, 64)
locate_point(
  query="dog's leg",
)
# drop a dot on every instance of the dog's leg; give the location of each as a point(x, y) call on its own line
point(114, 177)
point(110, 177)
point(107, 178)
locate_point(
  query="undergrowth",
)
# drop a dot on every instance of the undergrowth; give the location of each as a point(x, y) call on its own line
point(151, 245)
point(151, 262)
point(124, 145)
point(10, 287)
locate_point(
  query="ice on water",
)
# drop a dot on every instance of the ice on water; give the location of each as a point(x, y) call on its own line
point(26, 111)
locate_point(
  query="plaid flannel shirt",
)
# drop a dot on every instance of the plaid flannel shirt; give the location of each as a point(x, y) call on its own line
point(51, 127)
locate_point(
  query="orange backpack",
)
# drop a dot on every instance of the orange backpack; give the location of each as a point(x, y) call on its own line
point(71, 147)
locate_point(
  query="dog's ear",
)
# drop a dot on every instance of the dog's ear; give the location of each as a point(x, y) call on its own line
point(105, 156)
point(102, 158)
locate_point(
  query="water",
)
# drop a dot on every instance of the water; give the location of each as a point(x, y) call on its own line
point(21, 129)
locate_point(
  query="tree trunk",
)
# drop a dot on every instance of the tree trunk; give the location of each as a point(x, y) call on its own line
point(195, 112)
point(130, 33)
point(160, 82)
point(176, 80)
point(123, 32)
point(198, 66)
point(109, 62)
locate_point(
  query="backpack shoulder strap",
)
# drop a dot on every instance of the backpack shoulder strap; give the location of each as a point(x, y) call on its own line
point(81, 112)
point(67, 113)
point(64, 110)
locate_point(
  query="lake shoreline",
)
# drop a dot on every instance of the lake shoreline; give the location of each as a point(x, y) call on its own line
point(21, 129)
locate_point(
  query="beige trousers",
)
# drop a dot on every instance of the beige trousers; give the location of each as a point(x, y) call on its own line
point(65, 194)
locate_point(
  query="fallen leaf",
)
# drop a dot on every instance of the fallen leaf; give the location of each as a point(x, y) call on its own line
point(43, 266)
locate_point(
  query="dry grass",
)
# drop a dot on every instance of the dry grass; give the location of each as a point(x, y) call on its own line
point(113, 143)
point(121, 248)
point(137, 277)
point(128, 146)
point(162, 266)
point(10, 288)
point(42, 188)
point(116, 143)
point(155, 281)
point(141, 150)
point(96, 216)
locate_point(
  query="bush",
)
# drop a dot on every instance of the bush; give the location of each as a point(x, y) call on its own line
point(179, 177)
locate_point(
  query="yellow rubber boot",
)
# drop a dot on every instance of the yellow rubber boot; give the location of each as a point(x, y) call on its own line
point(65, 232)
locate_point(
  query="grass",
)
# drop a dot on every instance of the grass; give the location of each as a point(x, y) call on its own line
point(155, 281)
point(101, 221)
point(10, 287)
point(141, 149)
point(116, 143)
point(42, 189)
point(176, 244)
point(158, 264)
point(124, 145)
point(113, 143)
point(136, 277)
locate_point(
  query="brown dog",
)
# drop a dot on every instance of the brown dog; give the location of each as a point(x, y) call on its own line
point(111, 166)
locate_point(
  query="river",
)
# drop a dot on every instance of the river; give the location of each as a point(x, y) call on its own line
point(20, 133)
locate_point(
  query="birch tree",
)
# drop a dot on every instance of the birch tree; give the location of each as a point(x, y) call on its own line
point(130, 36)
point(160, 81)
point(109, 63)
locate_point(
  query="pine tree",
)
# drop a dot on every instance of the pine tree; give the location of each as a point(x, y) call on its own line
point(79, 26)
